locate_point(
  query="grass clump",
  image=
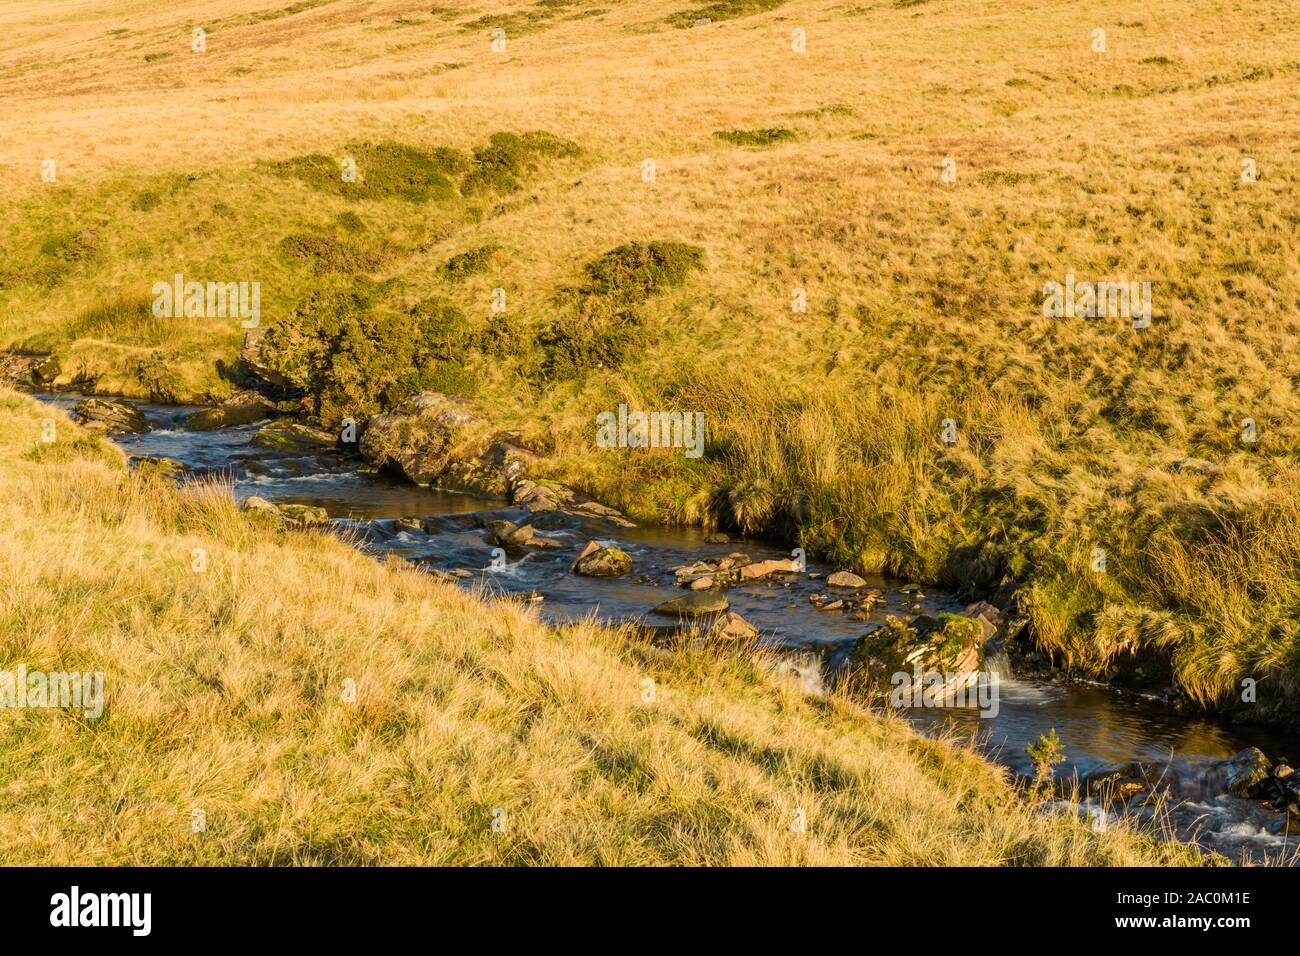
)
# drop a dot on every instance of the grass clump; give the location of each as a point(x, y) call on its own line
point(758, 138)
point(328, 255)
point(636, 271)
point(723, 10)
point(509, 157)
point(386, 169)
point(608, 321)
point(470, 263)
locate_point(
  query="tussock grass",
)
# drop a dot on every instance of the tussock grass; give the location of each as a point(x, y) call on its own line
point(225, 692)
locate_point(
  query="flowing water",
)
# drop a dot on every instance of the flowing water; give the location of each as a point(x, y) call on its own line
point(1100, 729)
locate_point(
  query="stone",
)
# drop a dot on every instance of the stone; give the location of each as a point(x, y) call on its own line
point(731, 626)
point(228, 416)
point(304, 516)
point(695, 604)
point(288, 435)
point(416, 439)
point(110, 416)
point(596, 561)
point(762, 569)
point(846, 579)
point(831, 606)
point(1245, 770)
point(289, 515)
point(156, 465)
point(702, 584)
point(716, 538)
point(252, 369)
point(510, 535)
point(408, 524)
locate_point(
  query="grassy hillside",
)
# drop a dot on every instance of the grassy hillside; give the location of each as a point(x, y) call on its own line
point(774, 171)
point(227, 691)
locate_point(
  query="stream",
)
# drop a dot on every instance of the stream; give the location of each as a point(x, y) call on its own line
point(1099, 728)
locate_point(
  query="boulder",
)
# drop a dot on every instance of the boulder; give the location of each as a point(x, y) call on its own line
point(1245, 771)
point(228, 416)
point(252, 369)
point(416, 439)
point(34, 370)
point(846, 579)
point(508, 534)
point(601, 562)
point(730, 626)
point(695, 604)
point(154, 465)
point(290, 516)
point(304, 516)
point(762, 569)
point(716, 538)
point(288, 435)
point(110, 416)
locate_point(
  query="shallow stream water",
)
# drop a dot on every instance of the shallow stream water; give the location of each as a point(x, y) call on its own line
point(1099, 728)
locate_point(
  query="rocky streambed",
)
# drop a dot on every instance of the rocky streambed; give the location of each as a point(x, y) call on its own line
point(1227, 788)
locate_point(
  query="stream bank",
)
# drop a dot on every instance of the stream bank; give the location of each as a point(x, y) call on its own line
point(1104, 733)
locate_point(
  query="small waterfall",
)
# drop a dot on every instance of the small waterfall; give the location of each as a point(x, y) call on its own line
point(996, 661)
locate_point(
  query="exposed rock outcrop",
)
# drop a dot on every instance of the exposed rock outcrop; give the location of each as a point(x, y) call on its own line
point(109, 416)
point(596, 561)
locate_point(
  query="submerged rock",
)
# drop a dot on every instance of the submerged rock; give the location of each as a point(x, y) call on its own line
point(716, 538)
point(695, 604)
point(228, 416)
point(110, 416)
point(288, 435)
point(601, 562)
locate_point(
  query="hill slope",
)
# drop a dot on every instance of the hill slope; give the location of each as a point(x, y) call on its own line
point(1160, 156)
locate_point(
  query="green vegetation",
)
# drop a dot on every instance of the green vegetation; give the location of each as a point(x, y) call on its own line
point(757, 137)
